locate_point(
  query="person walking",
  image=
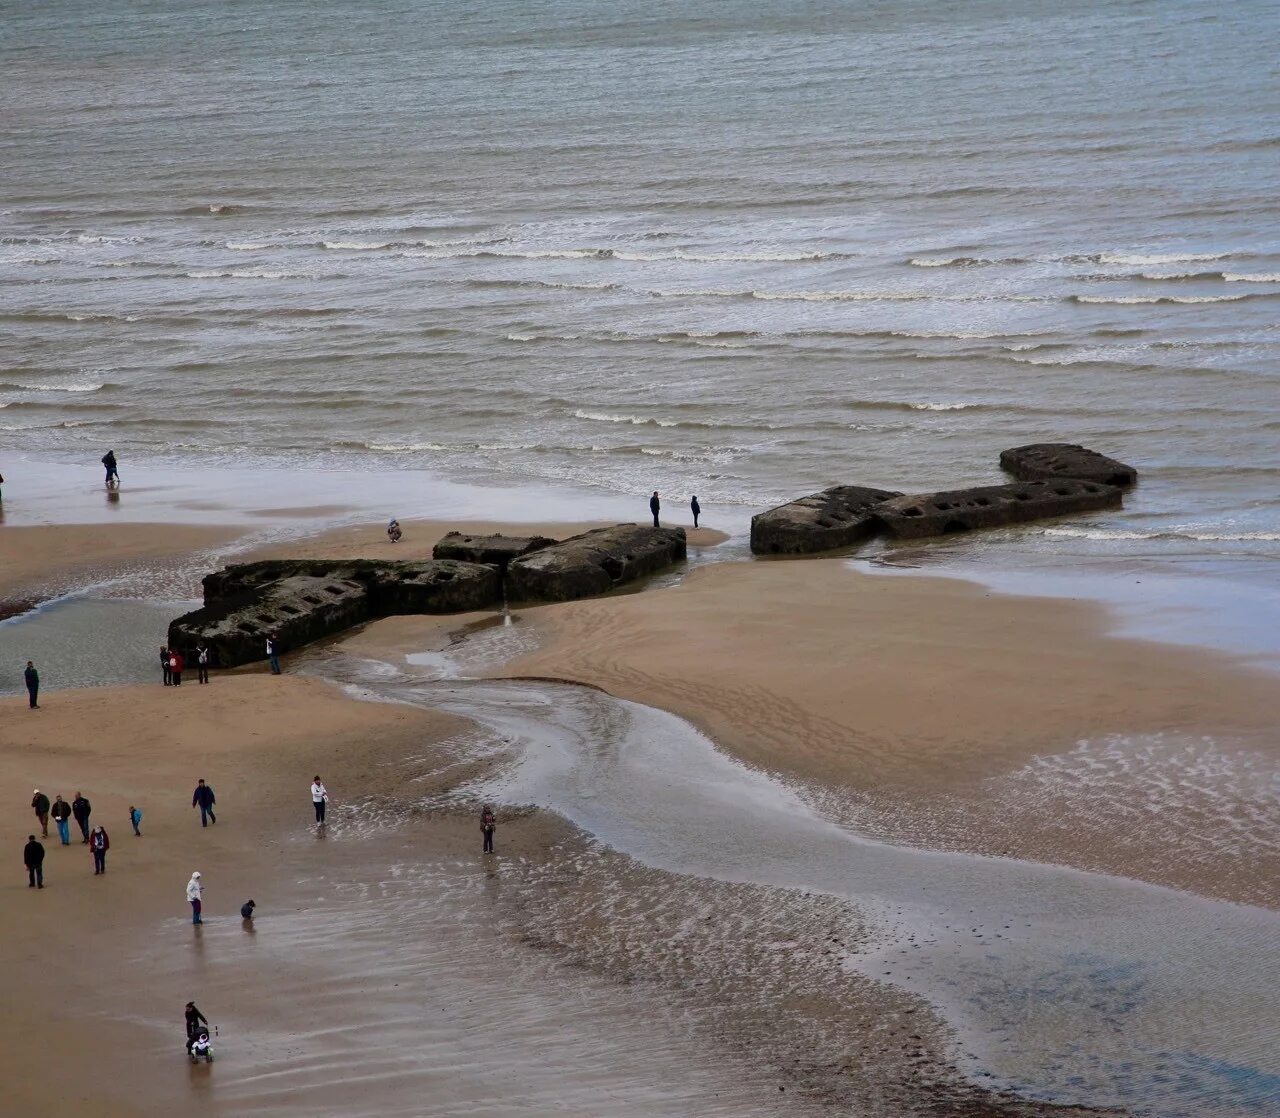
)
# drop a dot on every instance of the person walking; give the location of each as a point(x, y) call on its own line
point(176, 665)
point(655, 504)
point(204, 799)
point(165, 666)
point(202, 663)
point(135, 820)
point(99, 844)
point(195, 897)
point(696, 509)
point(40, 805)
point(109, 461)
point(487, 824)
point(33, 859)
point(319, 798)
point(194, 1020)
point(273, 653)
point(31, 678)
point(61, 813)
point(81, 808)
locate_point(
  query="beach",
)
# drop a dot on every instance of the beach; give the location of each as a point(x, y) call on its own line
point(923, 712)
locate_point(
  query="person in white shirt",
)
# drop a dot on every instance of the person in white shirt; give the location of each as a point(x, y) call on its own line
point(319, 799)
point(195, 894)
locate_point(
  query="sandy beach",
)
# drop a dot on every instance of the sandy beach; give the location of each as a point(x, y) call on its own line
point(919, 695)
point(921, 711)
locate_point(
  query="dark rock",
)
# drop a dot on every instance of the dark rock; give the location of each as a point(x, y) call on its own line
point(298, 608)
point(305, 599)
point(593, 562)
point(496, 550)
point(1046, 461)
point(434, 586)
point(837, 517)
point(959, 510)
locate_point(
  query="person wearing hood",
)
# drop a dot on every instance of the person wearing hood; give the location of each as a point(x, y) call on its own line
point(40, 805)
point(33, 859)
point(696, 509)
point(195, 895)
point(81, 808)
point(655, 507)
point(99, 844)
point(109, 461)
point(31, 678)
point(61, 813)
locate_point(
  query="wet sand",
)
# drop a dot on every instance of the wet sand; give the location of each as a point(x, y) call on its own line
point(921, 700)
point(38, 562)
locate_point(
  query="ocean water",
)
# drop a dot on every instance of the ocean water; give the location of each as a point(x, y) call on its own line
point(734, 249)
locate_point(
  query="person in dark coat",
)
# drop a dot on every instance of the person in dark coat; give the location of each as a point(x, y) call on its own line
point(195, 1019)
point(33, 859)
point(654, 506)
point(165, 666)
point(273, 653)
point(31, 678)
point(109, 461)
point(202, 663)
point(81, 808)
point(61, 812)
point(99, 844)
point(40, 805)
point(487, 824)
point(696, 509)
point(204, 799)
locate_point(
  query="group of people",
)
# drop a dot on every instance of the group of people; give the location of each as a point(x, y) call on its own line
point(173, 663)
point(655, 507)
point(79, 809)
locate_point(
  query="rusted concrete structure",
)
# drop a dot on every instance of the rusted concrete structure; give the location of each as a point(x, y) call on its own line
point(837, 517)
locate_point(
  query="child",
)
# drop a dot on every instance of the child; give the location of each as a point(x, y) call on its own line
point(135, 817)
point(246, 910)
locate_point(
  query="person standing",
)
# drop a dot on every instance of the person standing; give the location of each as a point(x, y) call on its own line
point(40, 805)
point(135, 820)
point(204, 799)
point(696, 509)
point(202, 663)
point(165, 666)
point(109, 461)
point(176, 664)
point(319, 798)
point(33, 859)
point(99, 844)
point(31, 678)
point(655, 504)
point(487, 825)
point(195, 897)
point(273, 653)
point(81, 809)
point(194, 1020)
point(61, 813)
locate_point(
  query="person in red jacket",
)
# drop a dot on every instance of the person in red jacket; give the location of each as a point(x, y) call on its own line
point(176, 664)
point(99, 844)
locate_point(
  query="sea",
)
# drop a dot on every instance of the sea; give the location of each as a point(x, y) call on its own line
point(731, 249)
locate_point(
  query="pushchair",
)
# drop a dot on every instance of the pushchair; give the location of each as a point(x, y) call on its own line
point(200, 1046)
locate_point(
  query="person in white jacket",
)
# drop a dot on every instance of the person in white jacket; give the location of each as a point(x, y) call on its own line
point(319, 798)
point(195, 894)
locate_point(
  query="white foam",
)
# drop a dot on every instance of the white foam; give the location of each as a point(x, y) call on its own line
point(81, 386)
point(1128, 534)
point(1141, 259)
point(355, 246)
point(635, 420)
point(1251, 277)
point(1122, 300)
point(940, 407)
